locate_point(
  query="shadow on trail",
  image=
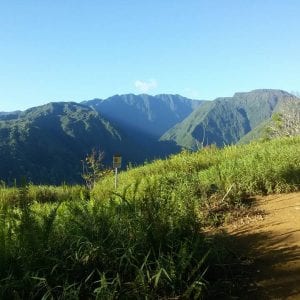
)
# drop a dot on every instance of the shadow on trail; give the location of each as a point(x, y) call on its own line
point(260, 266)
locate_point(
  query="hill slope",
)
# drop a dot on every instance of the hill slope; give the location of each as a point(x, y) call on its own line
point(150, 238)
point(225, 121)
point(144, 119)
point(46, 144)
point(141, 115)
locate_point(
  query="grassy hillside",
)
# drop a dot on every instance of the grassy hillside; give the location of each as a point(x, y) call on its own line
point(256, 168)
point(145, 239)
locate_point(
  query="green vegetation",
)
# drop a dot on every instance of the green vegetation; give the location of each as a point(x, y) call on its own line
point(287, 121)
point(140, 115)
point(226, 121)
point(144, 240)
point(47, 144)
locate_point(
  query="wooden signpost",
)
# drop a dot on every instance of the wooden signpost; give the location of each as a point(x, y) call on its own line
point(117, 162)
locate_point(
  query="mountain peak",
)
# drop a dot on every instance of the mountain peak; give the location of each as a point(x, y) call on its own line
point(226, 120)
point(153, 115)
point(263, 92)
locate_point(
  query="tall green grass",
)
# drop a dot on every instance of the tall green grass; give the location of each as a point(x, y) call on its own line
point(256, 168)
point(43, 193)
point(147, 248)
point(144, 240)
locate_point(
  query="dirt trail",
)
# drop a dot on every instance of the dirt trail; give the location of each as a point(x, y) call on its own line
point(270, 244)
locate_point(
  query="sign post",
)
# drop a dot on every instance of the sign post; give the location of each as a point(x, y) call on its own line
point(117, 162)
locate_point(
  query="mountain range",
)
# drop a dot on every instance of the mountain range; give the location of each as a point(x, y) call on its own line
point(229, 120)
point(46, 144)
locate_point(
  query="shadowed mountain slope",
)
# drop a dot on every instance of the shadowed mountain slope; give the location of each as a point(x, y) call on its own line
point(46, 144)
point(141, 115)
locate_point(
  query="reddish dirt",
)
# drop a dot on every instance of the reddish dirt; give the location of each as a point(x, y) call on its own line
point(270, 244)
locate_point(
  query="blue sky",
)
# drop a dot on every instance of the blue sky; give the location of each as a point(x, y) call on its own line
point(55, 50)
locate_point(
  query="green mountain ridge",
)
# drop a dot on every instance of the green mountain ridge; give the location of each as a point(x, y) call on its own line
point(47, 144)
point(151, 115)
point(226, 121)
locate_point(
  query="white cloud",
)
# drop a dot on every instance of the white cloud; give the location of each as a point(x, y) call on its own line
point(145, 86)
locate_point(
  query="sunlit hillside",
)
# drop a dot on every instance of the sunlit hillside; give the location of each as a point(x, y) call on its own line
point(146, 239)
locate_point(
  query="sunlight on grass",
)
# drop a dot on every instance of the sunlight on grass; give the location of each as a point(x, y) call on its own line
point(143, 240)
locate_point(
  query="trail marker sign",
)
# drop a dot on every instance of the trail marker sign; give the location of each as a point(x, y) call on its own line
point(117, 161)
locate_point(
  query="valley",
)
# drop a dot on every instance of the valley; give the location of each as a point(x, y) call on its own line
point(47, 144)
